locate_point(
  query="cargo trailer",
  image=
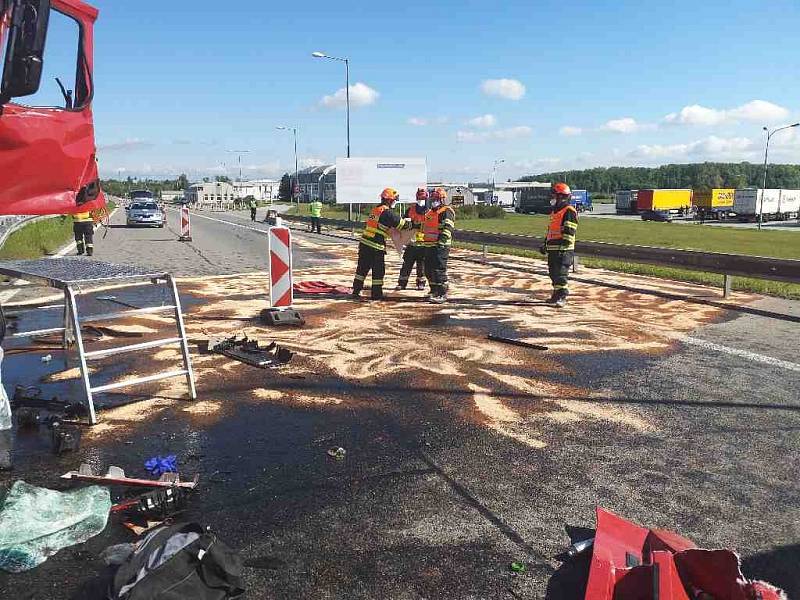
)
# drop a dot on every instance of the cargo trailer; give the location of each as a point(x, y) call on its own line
point(789, 205)
point(626, 201)
point(534, 200)
point(581, 200)
point(748, 203)
point(664, 205)
point(715, 203)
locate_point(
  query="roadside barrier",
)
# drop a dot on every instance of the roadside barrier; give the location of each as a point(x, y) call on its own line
point(186, 225)
point(280, 267)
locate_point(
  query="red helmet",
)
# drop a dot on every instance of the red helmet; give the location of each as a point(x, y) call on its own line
point(562, 189)
point(439, 194)
point(422, 194)
point(390, 195)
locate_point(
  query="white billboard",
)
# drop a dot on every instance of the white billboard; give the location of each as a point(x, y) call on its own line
point(361, 180)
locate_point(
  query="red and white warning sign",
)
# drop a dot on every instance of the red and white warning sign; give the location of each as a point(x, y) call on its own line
point(280, 267)
point(186, 227)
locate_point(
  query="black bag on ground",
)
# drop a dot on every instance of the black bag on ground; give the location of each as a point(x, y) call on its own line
point(179, 562)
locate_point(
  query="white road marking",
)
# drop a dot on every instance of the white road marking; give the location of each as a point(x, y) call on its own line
point(262, 231)
point(753, 356)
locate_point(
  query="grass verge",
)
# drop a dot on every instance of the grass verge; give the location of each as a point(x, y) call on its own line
point(41, 238)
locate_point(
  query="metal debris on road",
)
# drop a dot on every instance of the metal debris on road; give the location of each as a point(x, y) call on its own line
point(499, 338)
point(321, 287)
point(282, 316)
point(337, 453)
point(250, 351)
point(116, 476)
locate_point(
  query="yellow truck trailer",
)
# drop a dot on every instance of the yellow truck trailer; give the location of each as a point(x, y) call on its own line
point(660, 205)
point(715, 203)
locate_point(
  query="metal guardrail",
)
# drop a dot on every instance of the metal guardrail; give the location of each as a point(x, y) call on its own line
point(738, 265)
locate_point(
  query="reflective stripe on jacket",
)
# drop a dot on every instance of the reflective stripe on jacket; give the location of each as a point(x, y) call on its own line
point(417, 217)
point(437, 226)
point(375, 232)
point(562, 228)
point(82, 217)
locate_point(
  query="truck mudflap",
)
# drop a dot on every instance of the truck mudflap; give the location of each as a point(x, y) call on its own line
point(629, 561)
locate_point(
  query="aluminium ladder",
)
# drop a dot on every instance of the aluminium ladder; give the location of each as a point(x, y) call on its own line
point(76, 276)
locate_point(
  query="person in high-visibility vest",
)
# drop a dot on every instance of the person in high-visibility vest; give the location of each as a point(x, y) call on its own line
point(83, 228)
point(252, 205)
point(316, 214)
point(415, 251)
point(437, 238)
point(372, 248)
point(560, 242)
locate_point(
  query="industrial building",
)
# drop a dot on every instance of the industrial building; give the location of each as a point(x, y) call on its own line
point(317, 183)
point(263, 190)
point(210, 194)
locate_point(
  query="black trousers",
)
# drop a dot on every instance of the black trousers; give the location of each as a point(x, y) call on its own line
point(558, 264)
point(84, 236)
point(316, 224)
point(436, 268)
point(253, 214)
point(413, 255)
point(370, 259)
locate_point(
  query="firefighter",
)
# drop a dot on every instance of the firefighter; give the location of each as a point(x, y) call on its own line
point(414, 253)
point(316, 213)
point(560, 242)
point(437, 237)
point(372, 249)
point(252, 205)
point(83, 228)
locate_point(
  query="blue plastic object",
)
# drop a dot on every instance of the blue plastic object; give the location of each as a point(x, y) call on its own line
point(158, 465)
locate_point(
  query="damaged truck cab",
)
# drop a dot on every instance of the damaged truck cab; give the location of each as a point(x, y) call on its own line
point(48, 159)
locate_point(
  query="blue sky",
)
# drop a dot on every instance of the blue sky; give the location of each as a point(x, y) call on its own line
point(544, 85)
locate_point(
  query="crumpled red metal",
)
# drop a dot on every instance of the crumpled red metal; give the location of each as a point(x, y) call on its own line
point(48, 155)
point(631, 562)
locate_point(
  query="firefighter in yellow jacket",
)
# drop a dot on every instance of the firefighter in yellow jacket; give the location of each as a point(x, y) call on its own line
point(83, 228)
point(560, 242)
point(372, 248)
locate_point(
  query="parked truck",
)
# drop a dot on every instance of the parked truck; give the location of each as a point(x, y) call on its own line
point(714, 203)
point(749, 202)
point(789, 206)
point(581, 200)
point(534, 200)
point(664, 205)
point(626, 202)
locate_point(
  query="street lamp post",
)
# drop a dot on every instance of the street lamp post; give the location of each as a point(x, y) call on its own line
point(497, 162)
point(766, 155)
point(346, 62)
point(296, 180)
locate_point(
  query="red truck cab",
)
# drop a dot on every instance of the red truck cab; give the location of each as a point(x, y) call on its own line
point(48, 159)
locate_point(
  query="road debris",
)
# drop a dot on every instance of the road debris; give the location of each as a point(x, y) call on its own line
point(282, 316)
point(666, 564)
point(116, 476)
point(250, 351)
point(64, 438)
point(337, 453)
point(35, 522)
point(499, 338)
point(518, 567)
point(321, 287)
point(47, 358)
point(156, 504)
point(117, 554)
point(579, 547)
point(158, 465)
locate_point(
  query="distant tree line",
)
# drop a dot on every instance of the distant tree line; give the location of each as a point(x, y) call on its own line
point(699, 176)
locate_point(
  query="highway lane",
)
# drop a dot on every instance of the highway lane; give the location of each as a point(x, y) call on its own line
point(452, 474)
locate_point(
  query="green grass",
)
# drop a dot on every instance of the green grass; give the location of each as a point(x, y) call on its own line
point(40, 238)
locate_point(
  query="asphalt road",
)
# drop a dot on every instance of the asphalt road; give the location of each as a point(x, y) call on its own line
point(670, 413)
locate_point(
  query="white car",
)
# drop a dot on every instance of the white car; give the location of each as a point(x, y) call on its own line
point(145, 213)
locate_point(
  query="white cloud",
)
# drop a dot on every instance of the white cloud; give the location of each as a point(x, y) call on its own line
point(125, 145)
point(360, 95)
point(756, 111)
point(483, 122)
point(311, 161)
point(623, 125)
point(510, 89)
point(425, 121)
point(712, 147)
point(537, 165)
point(498, 134)
point(569, 131)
